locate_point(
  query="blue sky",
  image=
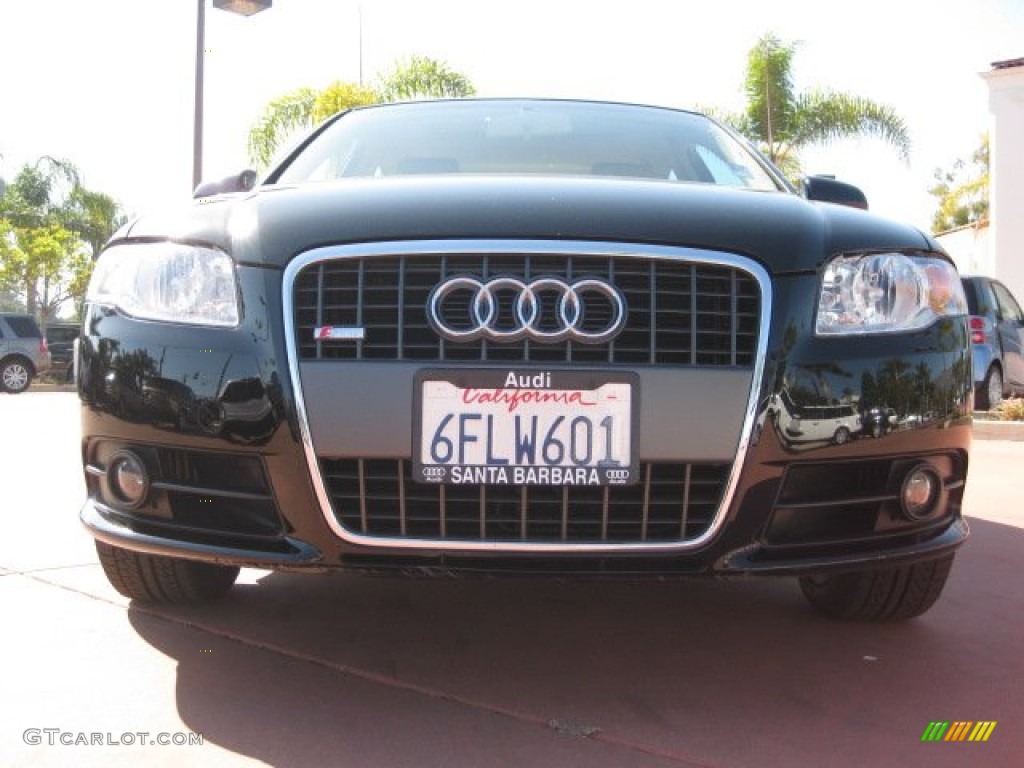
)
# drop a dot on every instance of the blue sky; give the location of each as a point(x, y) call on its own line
point(108, 84)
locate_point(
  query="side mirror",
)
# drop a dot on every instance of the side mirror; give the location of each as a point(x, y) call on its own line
point(239, 182)
point(826, 189)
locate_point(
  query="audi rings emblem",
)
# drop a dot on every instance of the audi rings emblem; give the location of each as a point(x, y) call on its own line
point(506, 309)
point(434, 474)
point(616, 476)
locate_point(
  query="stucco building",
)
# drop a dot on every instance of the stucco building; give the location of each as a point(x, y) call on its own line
point(1006, 194)
point(995, 246)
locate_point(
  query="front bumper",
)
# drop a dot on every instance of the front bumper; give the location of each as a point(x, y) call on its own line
point(231, 437)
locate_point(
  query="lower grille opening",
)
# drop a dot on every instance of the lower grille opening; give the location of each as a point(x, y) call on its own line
point(252, 517)
point(850, 501)
point(673, 502)
point(194, 492)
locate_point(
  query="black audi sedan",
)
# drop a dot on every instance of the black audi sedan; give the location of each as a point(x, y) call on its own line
point(560, 338)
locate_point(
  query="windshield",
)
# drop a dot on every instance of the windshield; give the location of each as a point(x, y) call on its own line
point(533, 138)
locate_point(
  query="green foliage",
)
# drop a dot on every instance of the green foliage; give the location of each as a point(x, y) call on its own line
point(962, 192)
point(93, 216)
point(339, 96)
point(420, 77)
point(769, 89)
point(48, 262)
point(38, 190)
point(782, 122)
point(50, 226)
point(299, 111)
point(31, 189)
point(417, 78)
point(282, 117)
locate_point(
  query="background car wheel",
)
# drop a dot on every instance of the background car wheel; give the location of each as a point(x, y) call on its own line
point(879, 595)
point(841, 436)
point(15, 376)
point(158, 579)
point(990, 393)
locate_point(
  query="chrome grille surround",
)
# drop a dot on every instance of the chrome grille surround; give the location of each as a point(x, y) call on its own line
point(650, 253)
point(424, 308)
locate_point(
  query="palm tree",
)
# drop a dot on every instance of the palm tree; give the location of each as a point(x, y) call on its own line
point(93, 216)
point(419, 77)
point(281, 117)
point(781, 122)
point(299, 111)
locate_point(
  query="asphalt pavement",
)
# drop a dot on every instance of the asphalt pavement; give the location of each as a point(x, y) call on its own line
point(342, 670)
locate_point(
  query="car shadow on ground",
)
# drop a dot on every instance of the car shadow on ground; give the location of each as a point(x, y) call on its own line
point(365, 670)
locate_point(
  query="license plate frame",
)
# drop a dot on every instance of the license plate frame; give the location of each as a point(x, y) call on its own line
point(584, 394)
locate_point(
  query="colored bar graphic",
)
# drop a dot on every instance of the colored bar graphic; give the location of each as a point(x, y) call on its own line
point(982, 731)
point(958, 730)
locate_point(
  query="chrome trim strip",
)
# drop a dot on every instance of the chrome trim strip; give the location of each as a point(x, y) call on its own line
point(533, 247)
point(102, 522)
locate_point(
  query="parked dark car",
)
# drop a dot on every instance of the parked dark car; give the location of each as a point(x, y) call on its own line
point(878, 421)
point(997, 341)
point(60, 337)
point(23, 352)
point(516, 336)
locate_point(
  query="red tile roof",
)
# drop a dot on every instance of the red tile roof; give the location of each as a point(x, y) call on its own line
point(1008, 64)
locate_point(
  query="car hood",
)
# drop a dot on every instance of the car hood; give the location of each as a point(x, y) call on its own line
point(783, 231)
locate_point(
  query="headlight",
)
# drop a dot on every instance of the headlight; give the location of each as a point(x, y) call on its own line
point(887, 293)
point(167, 281)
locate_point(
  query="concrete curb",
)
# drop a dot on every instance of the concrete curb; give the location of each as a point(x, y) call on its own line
point(990, 429)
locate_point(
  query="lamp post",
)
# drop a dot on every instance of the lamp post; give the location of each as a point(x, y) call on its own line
point(242, 8)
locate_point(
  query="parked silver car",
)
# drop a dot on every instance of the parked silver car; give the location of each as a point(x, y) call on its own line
point(23, 352)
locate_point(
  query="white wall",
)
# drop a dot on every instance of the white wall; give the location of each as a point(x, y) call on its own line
point(1006, 102)
point(971, 249)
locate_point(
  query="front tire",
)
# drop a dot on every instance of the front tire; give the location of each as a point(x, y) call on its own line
point(886, 594)
point(842, 436)
point(15, 376)
point(159, 579)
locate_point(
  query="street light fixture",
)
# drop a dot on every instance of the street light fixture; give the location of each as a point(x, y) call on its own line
point(242, 8)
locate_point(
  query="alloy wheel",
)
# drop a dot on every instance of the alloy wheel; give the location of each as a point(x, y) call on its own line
point(15, 377)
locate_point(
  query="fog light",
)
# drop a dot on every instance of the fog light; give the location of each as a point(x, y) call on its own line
point(128, 479)
point(920, 491)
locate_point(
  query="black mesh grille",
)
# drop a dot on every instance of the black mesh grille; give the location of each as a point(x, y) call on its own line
point(678, 313)
point(672, 502)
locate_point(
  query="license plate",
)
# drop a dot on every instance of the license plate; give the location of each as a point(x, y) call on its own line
point(502, 427)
